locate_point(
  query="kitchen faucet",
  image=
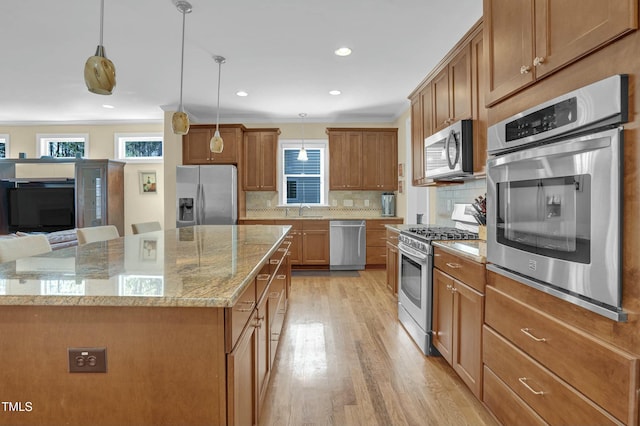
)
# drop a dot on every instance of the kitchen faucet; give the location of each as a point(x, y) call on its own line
point(302, 206)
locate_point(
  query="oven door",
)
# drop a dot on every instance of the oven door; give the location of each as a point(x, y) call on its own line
point(554, 216)
point(413, 290)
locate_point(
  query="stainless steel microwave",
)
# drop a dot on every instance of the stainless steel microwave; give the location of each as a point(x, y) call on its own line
point(448, 154)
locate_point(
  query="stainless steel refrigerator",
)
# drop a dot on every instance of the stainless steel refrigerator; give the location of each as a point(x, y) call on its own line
point(206, 195)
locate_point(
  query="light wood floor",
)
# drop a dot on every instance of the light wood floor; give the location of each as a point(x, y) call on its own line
point(345, 359)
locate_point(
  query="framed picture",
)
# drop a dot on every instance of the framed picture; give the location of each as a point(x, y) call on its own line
point(400, 169)
point(148, 250)
point(148, 184)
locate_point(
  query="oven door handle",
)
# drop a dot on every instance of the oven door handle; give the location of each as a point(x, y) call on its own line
point(413, 254)
point(452, 164)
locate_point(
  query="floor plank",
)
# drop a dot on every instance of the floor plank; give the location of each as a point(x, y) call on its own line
point(344, 359)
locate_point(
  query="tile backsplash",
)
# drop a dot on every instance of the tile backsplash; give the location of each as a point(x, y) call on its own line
point(341, 203)
point(447, 196)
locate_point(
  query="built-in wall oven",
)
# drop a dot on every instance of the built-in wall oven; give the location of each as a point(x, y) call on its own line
point(415, 289)
point(554, 188)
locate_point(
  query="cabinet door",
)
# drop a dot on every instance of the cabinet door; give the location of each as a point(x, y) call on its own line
point(443, 314)
point(315, 245)
point(242, 406)
point(392, 268)
point(441, 100)
point(195, 146)
point(337, 171)
point(269, 150)
point(262, 352)
point(460, 85)
point(91, 197)
point(252, 161)
point(568, 29)
point(508, 33)
point(417, 141)
point(387, 161)
point(479, 111)
point(467, 325)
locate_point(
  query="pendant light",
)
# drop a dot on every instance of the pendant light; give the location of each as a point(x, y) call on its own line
point(180, 119)
point(99, 72)
point(302, 154)
point(216, 145)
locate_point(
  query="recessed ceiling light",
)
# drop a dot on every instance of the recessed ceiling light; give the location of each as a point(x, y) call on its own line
point(335, 92)
point(108, 106)
point(242, 93)
point(343, 51)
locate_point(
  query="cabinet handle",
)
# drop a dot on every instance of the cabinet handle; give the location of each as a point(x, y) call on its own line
point(449, 287)
point(538, 60)
point(263, 277)
point(281, 277)
point(249, 309)
point(274, 261)
point(527, 331)
point(525, 69)
point(274, 295)
point(453, 289)
point(453, 265)
point(523, 380)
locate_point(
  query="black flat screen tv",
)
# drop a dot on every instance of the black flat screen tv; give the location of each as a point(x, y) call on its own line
point(41, 209)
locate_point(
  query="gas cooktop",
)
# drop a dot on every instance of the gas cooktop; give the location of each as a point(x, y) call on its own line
point(434, 232)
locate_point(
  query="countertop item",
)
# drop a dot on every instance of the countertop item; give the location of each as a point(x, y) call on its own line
point(199, 266)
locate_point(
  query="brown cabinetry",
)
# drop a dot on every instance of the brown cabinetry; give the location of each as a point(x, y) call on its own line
point(380, 160)
point(377, 241)
point(458, 314)
point(196, 144)
point(259, 159)
point(529, 39)
point(345, 159)
point(392, 260)
point(100, 193)
point(309, 241)
point(550, 365)
point(453, 91)
point(363, 159)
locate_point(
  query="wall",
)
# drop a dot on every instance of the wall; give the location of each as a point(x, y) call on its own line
point(446, 196)
point(138, 207)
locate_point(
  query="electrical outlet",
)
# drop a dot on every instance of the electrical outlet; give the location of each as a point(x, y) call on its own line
point(366, 203)
point(268, 203)
point(87, 360)
point(334, 202)
point(347, 203)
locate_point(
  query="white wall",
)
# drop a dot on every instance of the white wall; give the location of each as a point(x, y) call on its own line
point(138, 207)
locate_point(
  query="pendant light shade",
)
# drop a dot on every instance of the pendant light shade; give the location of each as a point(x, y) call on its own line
point(302, 154)
point(216, 145)
point(99, 72)
point(180, 119)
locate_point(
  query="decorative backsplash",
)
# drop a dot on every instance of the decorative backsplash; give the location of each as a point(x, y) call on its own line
point(341, 204)
point(447, 196)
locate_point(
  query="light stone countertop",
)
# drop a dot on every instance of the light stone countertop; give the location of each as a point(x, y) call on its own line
point(201, 266)
point(322, 217)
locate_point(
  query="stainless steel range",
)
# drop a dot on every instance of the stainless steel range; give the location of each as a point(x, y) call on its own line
point(415, 291)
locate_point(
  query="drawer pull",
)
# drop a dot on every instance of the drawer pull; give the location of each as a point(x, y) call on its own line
point(274, 261)
point(281, 277)
point(263, 277)
point(453, 265)
point(249, 309)
point(274, 295)
point(449, 287)
point(523, 380)
point(527, 331)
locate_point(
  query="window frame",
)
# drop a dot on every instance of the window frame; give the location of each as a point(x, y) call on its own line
point(42, 140)
point(6, 138)
point(119, 140)
point(323, 145)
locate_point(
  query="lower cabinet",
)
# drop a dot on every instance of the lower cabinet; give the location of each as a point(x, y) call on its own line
point(261, 312)
point(377, 241)
point(458, 315)
point(551, 370)
point(392, 260)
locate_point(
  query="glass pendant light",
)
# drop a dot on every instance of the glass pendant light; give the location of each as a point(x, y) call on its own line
point(99, 72)
point(302, 154)
point(180, 119)
point(216, 145)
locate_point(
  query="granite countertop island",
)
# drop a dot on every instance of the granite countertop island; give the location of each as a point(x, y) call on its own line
point(201, 266)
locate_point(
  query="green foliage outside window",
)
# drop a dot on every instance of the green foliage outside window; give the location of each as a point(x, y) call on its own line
point(141, 149)
point(62, 149)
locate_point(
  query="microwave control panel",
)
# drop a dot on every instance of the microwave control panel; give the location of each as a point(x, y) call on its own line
point(543, 120)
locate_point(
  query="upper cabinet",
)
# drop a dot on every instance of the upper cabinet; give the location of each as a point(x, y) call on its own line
point(196, 148)
point(363, 159)
point(259, 159)
point(529, 39)
point(453, 91)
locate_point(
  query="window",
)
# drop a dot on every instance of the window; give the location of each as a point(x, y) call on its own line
point(63, 146)
point(139, 147)
point(303, 182)
point(4, 146)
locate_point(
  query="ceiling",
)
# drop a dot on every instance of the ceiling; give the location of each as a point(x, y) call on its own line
point(279, 51)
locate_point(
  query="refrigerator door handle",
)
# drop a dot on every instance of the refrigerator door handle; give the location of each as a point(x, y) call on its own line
point(199, 204)
point(203, 205)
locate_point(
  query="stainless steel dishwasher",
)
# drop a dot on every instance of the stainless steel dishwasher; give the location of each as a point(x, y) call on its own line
point(348, 244)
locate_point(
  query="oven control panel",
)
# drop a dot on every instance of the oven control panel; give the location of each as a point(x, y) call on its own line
point(543, 120)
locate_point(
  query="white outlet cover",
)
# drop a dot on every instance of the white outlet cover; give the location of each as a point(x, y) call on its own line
point(268, 203)
point(366, 203)
point(334, 202)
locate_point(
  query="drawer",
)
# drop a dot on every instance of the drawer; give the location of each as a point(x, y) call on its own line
point(377, 255)
point(262, 281)
point(392, 237)
point(376, 238)
point(552, 398)
point(256, 222)
point(296, 225)
point(465, 270)
point(381, 224)
point(236, 318)
point(602, 372)
point(276, 259)
point(315, 225)
point(508, 407)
